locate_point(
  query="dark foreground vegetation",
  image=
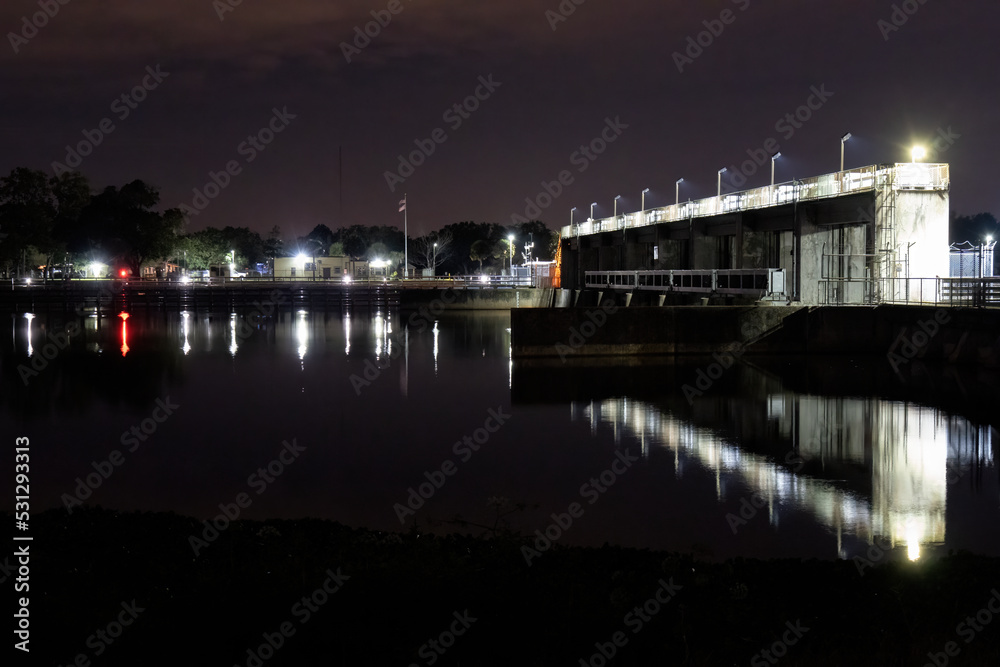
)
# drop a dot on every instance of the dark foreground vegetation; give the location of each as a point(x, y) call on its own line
point(395, 594)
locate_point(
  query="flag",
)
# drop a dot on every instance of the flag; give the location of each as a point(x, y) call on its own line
point(402, 205)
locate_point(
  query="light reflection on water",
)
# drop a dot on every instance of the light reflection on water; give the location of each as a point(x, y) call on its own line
point(854, 468)
point(910, 450)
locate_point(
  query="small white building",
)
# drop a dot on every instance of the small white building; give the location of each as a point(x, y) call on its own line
point(320, 268)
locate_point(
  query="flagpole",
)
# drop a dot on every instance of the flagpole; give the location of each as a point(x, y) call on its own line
point(406, 241)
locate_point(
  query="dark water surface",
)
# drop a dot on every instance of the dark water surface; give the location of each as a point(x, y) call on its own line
point(771, 459)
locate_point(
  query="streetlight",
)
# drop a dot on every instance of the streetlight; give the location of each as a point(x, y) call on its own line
point(918, 153)
point(644, 192)
point(721, 172)
point(677, 191)
point(843, 140)
point(616, 205)
point(571, 212)
point(510, 240)
point(434, 261)
point(592, 210)
point(773, 158)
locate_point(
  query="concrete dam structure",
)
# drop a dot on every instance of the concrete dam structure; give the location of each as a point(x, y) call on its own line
point(873, 235)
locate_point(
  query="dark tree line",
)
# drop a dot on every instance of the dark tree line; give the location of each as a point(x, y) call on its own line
point(60, 219)
point(49, 221)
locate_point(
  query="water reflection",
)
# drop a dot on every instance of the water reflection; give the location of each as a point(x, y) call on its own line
point(830, 470)
point(186, 328)
point(29, 317)
point(910, 453)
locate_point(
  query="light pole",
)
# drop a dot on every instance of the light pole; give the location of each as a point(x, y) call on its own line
point(434, 261)
point(616, 205)
point(592, 210)
point(773, 159)
point(510, 240)
point(843, 140)
point(644, 193)
point(721, 172)
point(677, 191)
point(571, 212)
point(918, 153)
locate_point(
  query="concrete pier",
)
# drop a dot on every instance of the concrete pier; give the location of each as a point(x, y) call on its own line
point(902, 334)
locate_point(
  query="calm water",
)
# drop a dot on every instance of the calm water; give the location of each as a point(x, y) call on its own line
point(818, 459)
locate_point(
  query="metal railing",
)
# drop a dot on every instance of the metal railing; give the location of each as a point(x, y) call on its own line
point(975, 292)
point(745, 282)
point(908, 176)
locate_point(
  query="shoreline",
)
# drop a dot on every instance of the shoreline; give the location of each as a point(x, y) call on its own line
point(392, 592)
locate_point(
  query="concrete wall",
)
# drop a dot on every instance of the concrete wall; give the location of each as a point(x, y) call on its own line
point(477, 299)
point(615, 331)
point(897, 335)
point(922, 218)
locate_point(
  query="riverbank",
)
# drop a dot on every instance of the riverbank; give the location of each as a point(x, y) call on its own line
point(321, 592)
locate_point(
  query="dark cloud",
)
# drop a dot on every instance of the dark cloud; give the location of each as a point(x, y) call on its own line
point(890, 88)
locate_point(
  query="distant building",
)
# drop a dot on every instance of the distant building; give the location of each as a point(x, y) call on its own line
point(320, 268)
point(161, 270)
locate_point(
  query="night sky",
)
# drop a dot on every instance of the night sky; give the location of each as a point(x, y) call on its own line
point(561, 79)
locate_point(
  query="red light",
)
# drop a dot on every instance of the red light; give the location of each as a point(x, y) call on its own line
point(124, 273)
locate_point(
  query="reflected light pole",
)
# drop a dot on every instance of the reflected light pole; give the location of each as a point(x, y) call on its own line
point(677, 191)
point(843, 140)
